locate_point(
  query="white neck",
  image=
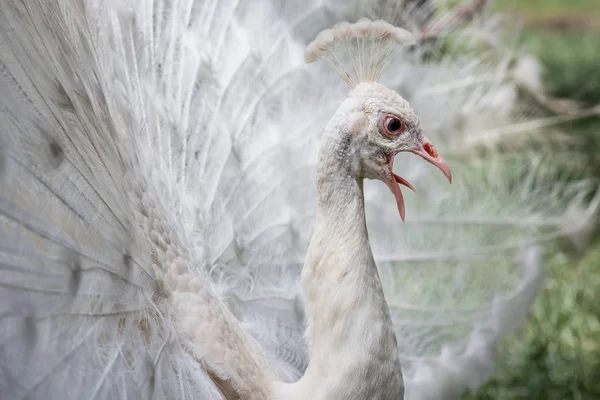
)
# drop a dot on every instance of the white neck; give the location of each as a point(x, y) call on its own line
point(353, 353)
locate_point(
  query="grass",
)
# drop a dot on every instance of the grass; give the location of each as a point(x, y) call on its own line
point(557, 354)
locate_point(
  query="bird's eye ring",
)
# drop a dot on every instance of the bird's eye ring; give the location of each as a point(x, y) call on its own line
point(392, 125)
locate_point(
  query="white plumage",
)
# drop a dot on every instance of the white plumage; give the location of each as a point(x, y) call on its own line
point(157, 186)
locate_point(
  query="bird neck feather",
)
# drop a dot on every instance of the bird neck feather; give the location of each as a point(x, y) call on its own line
point(349, 328)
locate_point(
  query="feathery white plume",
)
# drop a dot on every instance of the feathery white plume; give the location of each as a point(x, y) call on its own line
point(358, 52)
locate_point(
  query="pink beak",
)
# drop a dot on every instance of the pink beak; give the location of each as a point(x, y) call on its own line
point(429, 153)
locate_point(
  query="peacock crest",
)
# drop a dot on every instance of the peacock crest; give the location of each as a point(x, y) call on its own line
point(358, 52)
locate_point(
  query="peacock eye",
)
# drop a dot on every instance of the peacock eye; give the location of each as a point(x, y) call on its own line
point(392, 125)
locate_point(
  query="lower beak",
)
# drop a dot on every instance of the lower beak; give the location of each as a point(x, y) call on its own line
point(429, 153)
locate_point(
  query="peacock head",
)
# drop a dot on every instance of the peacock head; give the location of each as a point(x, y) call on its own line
point(384, 123)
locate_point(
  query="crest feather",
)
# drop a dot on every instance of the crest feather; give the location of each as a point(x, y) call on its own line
point(358, 52)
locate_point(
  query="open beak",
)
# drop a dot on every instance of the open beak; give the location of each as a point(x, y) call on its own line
point(429, 153)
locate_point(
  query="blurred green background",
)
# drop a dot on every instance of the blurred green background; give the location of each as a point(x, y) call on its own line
point(556, 355)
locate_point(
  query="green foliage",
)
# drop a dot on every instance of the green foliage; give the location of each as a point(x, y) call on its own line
point(550, 8)
point(557, 355)
point(570, 60)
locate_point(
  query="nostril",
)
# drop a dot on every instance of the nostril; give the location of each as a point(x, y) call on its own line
point(430, 149)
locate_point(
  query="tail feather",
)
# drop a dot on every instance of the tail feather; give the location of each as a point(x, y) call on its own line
point(81, 311)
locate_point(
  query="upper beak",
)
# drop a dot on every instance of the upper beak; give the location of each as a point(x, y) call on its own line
point(429, 153)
